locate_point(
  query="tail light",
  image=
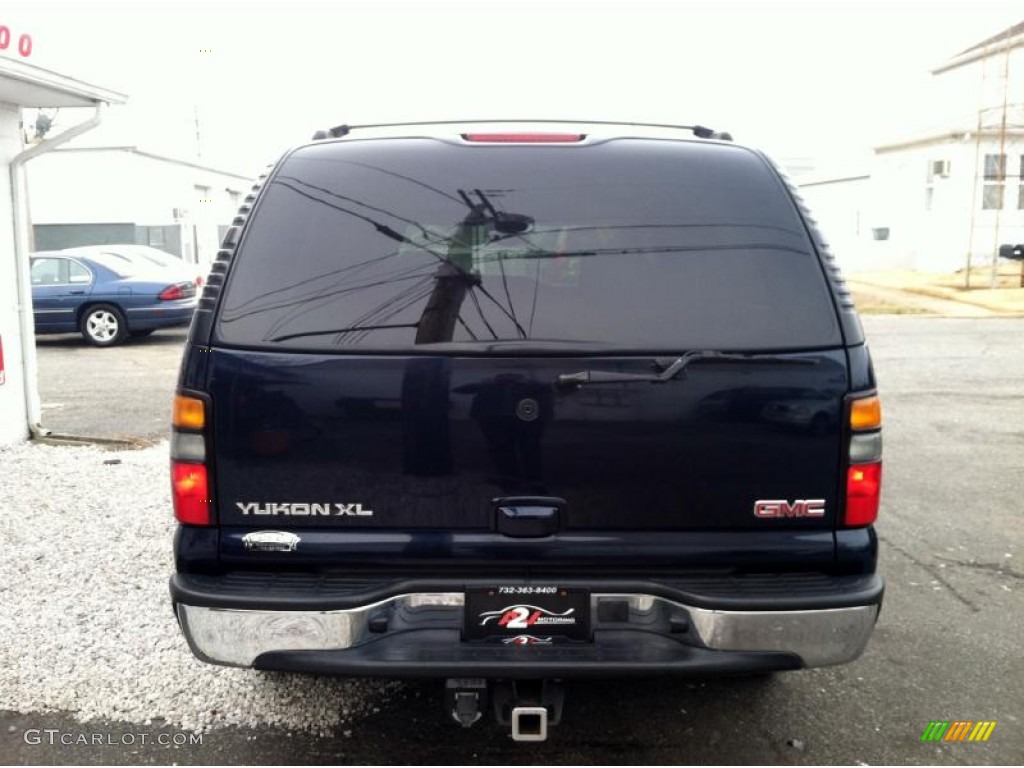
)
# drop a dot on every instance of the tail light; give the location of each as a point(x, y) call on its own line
point(190, 482)
point(171, 292)
point(191, 490)
point(864, 473)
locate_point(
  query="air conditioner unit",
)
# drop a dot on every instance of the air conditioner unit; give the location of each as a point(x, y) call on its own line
point(940, 168)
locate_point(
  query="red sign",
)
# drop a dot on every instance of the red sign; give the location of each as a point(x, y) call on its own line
point(3, 375)
point(23, 42)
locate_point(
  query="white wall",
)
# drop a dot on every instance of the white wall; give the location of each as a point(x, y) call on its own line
point(919, 239)
point(105, 186)
point(935, 239)
point(940, 238)
point(93, 187)
point(838, 206)
point(13, 414)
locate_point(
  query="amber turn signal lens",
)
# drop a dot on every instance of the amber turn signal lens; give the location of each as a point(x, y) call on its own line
point(189, 412)
point(866, 413)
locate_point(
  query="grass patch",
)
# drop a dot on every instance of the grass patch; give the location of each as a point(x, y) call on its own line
point(873, 305)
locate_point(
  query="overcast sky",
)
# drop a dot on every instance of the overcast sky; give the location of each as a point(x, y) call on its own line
point(823, 80)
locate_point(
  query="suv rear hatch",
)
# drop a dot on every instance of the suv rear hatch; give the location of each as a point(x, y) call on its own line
point(405, 331)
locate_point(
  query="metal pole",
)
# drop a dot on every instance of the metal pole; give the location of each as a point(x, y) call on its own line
point(977, 168)
point(993, 280)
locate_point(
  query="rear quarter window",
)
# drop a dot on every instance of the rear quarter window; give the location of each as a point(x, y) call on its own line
point(420, 245)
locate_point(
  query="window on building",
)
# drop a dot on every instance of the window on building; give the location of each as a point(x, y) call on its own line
point(202, 193)
point(1020, 187)
point(156, 236)
point(992, 197)
point(992, 194)
point(937, 169)
point(995, 167)
point(235, 198)
point(880, 233)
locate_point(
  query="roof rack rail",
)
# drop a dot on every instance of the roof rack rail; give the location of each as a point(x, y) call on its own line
point(700, 131)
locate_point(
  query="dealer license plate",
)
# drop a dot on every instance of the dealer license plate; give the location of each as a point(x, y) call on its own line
point(527, 615)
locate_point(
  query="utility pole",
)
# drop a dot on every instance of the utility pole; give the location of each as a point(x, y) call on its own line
point(978, 174)
point(452, 282)
point(994, 277)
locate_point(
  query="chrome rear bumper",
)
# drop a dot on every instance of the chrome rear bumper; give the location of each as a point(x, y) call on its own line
point(817, 637)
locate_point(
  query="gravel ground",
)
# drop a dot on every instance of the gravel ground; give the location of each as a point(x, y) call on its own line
point(110, 648)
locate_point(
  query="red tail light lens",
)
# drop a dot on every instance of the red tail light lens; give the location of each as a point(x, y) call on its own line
point(171, 292)
point(190, 491)
point(525, 138)
point(863, 486)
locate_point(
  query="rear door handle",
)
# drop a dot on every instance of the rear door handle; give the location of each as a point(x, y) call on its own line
point(528, 516)
point(77, 293)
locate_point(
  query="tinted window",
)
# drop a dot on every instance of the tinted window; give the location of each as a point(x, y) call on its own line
point(120, 265)
point(418, 243)
point(155, 256)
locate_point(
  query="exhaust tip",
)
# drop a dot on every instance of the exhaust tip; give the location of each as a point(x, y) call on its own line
point(529, 723)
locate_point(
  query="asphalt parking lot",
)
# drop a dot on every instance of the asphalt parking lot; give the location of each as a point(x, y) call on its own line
point(80, 384)
point(947, 646)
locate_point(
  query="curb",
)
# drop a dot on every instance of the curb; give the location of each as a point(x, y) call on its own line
point(936, 293)
point(109, 443)
point(939, 294)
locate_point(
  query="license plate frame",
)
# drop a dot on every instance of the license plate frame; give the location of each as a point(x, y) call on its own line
point(527, 614)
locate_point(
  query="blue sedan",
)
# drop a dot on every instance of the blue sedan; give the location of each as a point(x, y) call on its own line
point(105, 298)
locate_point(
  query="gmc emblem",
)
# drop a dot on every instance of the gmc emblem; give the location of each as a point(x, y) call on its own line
point(782, 508)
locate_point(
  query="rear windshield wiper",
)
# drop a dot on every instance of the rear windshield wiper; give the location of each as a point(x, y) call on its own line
point(677, 367)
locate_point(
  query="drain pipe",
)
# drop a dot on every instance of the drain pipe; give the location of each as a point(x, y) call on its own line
point(26, 321)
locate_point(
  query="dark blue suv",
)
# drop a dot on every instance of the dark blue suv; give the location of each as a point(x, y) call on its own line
point(510, 404)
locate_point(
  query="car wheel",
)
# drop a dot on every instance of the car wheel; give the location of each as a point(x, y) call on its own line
point(103, 325)
point(141, 334)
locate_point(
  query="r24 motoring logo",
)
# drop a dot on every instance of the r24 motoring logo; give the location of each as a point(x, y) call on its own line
point(526, 616)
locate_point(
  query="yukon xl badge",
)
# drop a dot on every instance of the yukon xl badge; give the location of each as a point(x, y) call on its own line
point(775, 508)
point(271, 541)
point(303, 510)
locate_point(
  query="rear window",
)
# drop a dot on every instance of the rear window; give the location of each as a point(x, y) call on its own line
point(122, 266)
point(424, 245)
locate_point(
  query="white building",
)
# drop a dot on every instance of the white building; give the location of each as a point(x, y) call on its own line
point(94, 195)
point(934, 200)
